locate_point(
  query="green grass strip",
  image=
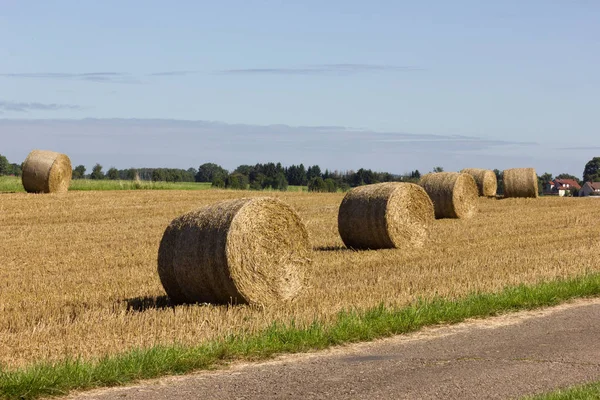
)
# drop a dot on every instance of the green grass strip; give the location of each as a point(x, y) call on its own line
point(351, 326)
point(12, 184)
point(587, 392)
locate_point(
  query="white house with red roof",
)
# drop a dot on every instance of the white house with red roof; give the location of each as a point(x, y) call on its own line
point(590, 189)
point(562, 186)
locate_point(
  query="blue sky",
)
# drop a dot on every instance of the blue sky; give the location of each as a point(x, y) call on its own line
point(386, 85)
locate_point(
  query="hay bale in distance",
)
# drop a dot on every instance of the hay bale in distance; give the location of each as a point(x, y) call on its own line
point(46, 171)
point(252, 250)
point(454, 195)
point(520, 182)
point(485, 179)
point(385, 215)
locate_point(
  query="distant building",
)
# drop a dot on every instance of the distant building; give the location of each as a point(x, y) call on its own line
point(590, 189)
point(561, 186)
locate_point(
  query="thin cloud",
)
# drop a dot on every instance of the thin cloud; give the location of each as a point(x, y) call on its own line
point(100, 77)
point(12, 106)
point(322, 69)
point(579, 148)
point(173, 73)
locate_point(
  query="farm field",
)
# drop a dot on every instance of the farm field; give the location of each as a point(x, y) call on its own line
point(78, 271)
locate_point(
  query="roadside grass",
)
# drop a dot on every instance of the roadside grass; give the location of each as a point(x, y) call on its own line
point(53, 379)
point(588, 392)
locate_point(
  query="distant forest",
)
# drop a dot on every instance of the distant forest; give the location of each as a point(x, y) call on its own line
point(254, 177)
point(275, 176)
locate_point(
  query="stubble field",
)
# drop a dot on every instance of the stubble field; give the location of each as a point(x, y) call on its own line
point(78, 271)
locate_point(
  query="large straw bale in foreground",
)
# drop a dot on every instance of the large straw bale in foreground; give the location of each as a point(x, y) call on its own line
point(252, 250)
point(485, 179)
point(454, 195)
point(46, 171)
point(385, 215)
point(520, 182)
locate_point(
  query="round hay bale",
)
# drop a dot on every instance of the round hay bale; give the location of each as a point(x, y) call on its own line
point(454, 195)
point(520, 182)
point(46, 171)
point(385, 215)
point(252, 250)
point(485, 179)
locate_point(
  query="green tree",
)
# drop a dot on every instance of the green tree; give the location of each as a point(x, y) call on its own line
point(275, 182)
point(17, 169)
point(296, 175)
point(218, 183)
point(573, 192)
point(5, 166)
point(313, 172)
point(543, 182)
point(546, 177)
point(363, 177)
point(317, 184)
point(244, 169)
point(97, 172)
point(79, 172)
point(331, 185)
point(257, 180)
point(415, 174)
point(500, 180)
point(236, 181)
point(591, 172)
point(210, 171)
point(132, 174)
point(159, 175)
point(438, 169)
point(113, 174)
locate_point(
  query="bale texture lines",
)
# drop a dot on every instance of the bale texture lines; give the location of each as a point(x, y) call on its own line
point(243, 251)
point(454, 195)
point(46, 171)
point(385, 215)
point(520, 182)
point(485, 179)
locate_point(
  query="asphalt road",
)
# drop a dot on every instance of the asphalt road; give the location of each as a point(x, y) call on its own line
point(498, 358)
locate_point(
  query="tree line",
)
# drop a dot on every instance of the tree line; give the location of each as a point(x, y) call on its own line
point(253, 177)
point(277, 177)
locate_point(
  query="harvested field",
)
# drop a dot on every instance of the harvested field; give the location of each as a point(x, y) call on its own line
point(78, 271)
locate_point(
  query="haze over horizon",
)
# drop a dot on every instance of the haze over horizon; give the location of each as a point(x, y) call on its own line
point(389, 86)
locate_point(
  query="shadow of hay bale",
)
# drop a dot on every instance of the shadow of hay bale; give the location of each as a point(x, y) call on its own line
point(141, 304)
point(333, 248)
